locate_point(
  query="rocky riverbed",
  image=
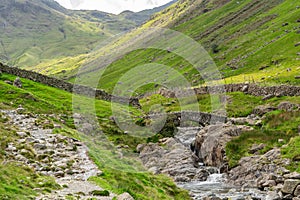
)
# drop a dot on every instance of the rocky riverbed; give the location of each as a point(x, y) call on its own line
point(199, 171)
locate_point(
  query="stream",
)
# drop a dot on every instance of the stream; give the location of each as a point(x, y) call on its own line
point(215, 185)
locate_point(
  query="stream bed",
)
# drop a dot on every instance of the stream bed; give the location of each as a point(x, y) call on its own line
point(216, 186)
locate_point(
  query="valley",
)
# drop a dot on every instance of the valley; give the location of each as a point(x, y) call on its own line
point(192, 100)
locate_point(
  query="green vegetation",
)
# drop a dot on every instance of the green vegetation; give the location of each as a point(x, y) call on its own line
point(248, 45)
point(291, 151)
point(140, 185)
point(277, 125)
point(120, 174)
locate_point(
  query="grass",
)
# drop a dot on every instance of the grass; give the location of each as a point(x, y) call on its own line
point(291, 151)
point(254, 39)
point(238, 104)
point(120, 174)
point(277, 125)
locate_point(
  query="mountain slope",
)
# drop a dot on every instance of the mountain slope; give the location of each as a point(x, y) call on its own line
point(249, 41)
point(38, 31)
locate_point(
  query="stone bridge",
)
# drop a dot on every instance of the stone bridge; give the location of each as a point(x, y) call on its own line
point(187, 117)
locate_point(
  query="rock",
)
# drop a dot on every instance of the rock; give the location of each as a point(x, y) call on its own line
point(290, 185)
point(125, 196)
point(297, 44)
point(87, 128)
point(271, 195)
point(245, 88)
point(288, 106)
point(269, 96)
point(297, 77)
point(293, 175)
point(263, 109)
point(171, 157)
point(296, 198)
point(8, 82)
point(269, 183)
point(20, 109)
point(39, 146)
point(288, 197)
point(59, 174)
point(211, 141)
point(21, 134)
point(280, 140)
point(298, 20)
point(285, 24)
point(17, 82)
point(256, 147)
point(57, 126)
point(297, 191)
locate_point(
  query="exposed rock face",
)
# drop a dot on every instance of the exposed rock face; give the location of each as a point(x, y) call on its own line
point(211, 141)
point(174, 159)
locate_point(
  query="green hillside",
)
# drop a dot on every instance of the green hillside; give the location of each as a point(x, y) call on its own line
point(34, 32)
point(250, 41)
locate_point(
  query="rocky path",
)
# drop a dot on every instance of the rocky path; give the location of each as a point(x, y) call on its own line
point(54, 155)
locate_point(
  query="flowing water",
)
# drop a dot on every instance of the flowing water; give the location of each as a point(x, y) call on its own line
point(215, 185)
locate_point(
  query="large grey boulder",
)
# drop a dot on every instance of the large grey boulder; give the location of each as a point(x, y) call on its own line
point(211, 141)
point(173, 158)
point(290, 185)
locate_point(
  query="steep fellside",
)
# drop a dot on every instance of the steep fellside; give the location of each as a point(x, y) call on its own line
point(41, 32)
point(250, 41)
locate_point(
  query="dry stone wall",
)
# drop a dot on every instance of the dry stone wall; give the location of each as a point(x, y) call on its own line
point(69, 87)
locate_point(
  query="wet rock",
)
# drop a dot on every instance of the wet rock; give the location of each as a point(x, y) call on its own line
point(290, 185)
point(172, 158)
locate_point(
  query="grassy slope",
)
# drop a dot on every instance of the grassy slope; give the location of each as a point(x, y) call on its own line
point(41, 99)
point(241, 37)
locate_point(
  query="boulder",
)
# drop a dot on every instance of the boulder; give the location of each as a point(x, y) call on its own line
point(271, 195)
point(263, 109)
point(290, 185)
point(211, 141)
point(293, 175)
point(173, 158)
point(125, 196)
point(297, 191)
point(288, 106)
point(18, 82)
point(256, 147)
